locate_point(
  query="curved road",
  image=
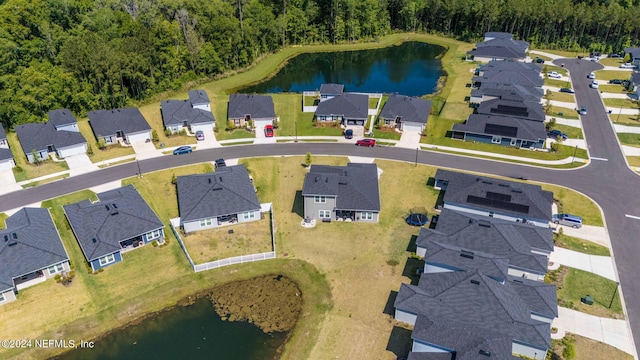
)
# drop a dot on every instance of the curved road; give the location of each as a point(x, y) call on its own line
point(607, 179)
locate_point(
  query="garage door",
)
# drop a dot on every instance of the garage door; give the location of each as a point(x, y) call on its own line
point(141, 136)
point(72, 150)
point(6, 164)
point(262, 123)
point(203, 127)
point(411, 127)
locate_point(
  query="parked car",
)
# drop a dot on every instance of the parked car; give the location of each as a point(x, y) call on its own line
point(582, 111)
point(220, 163)
point(557, 134)
point(594, 85)
point(568, 220)
point(199, 135)
point(591, 75)
point(628, 66)
point(268, 131)
point(539, 61)
point(614, 56)
point(348, 134)
point(182, 150)
point(554, 75)
point(366, 142)
point(616, 81)
point(567, 90)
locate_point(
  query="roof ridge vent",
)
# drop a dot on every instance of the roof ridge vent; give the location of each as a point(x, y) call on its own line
point(475, 282)
point(466, 254)
point(484, 352)
point(13, 243)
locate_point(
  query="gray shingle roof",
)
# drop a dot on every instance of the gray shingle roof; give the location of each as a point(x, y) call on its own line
point(331, 89)
point(118, 215)
point(429, 356)
point(36, 245)
point(5, 154)
point(509, 77)
point(109, 122)
point(521, 109)
point(38, 136)
point(226, 191)
point(634, 51)
point(198, 97)
point(510, 65)
point(349, 105)
point(497, 52)
point(537, 201)
point(541, 297)
point(258, 106)
point(524, 129)
point(410, 109)
point(61, 117)
point(498, 35)
point(635, 78)
point(176, 112)
point(526, 93)
point(354, 185)
point(459, 259)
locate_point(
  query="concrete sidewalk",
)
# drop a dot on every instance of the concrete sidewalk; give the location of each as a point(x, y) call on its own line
point(626, 129)
point(599, 265)
point(546, 54)
point(568, 160)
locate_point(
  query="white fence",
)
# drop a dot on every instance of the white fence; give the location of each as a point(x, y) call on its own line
point(266, 207)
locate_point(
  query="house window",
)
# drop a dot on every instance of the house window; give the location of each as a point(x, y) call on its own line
point(324, 214)
point(237, 122)
point(153, 235)
point(366, 216)
point(107, 260)
point(249, 215)
point(496, 140)
point(107, 139)
point(55, 269)
point(319, 199)
point(206, 222)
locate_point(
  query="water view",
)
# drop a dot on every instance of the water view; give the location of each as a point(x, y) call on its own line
point(410, 69)
point(190, 332)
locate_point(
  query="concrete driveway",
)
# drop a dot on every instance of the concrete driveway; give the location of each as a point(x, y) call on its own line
point(145, 150)
point(80, 164)
point(409, 140)
point(599, 265)
point(595, 234)
point(8, 182)
point(209, 141)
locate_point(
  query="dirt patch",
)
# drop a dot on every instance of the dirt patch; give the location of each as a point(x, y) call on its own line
point(272, 302)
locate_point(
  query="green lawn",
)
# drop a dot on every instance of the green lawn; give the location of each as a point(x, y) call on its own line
point(291, 117)
point(571, 131)
point(621, 103)
point(551, 67)
point(373, 102)
point(563, 53)
point(562, 112)
point(612, 62)
point(629, 139)
point(574, 284)
point(580, 245)
point(389, 135)
point(625, 119)
point(557, 83)
point(545, 58)
point(607, 75)
point(24, 170)
point(559, 96)
point(573, 202)
point(110, 152)
point(612, 88)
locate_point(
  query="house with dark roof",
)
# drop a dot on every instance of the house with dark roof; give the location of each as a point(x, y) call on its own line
point(223, 197)
point(405, 113)
point(347, 108)
point(343, 193)
point(522, 78)
point(246, 107)
point(443, 257)
point(501, 130)
point(470, 314)
point(501, 199)
point(634, 55)
point(31, 252)
point(6, 156)
point(119, 221)
point(526, 247)
point(329, 91)
point(510, 65)
point(635, 84)
point(529, 110)
point(499, 46)
point(126, 124)
point(493, 90)
point(192, 114)
point(59, 135)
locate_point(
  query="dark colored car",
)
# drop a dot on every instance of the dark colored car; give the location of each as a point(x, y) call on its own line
point(268, 131)
point(616, 81)
point(199, 135)
point(539, 61)
point(366, 142)
point(557, 134)
point(348, 134)
point(220, 163)
point(614, 56)
point(182, 150)
point(567, 90)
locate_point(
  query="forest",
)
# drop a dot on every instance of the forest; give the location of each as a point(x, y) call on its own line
point(85, 55)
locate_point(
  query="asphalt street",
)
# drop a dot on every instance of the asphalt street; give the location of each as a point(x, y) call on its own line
point(607, 179)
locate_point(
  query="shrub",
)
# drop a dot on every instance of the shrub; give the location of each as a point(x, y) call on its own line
point(231, 125)
point(102, 144)
point(174, 179)
point(167, 132)
point(89, 149)
point(57, 278)
point(569, 351)
point(307, 159)
point(154, 136)
point(182, 132)
point(154, 243)
point(276, 123)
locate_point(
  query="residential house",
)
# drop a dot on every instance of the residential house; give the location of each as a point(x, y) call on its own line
point(223, 197)
point(499, 46)
point(501, 199)
point(522, 78)
point(509, 65)
point(246, 107)
point(405, 113)
point(344, 193)
point(126, 124)
point(501, 130)
point(492, 90)
point(31, 252)
point(6, 156)
point(469, 314)
point(529, 110)
point(635, 84)
point(443, 257)
point(119, 221)
point(59, 135)
point(347, 108)
point(634, 55)
point(192, 114)
point(329, 91)
point(526, 247)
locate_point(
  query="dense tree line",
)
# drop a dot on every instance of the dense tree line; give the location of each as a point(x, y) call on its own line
point(86, 55)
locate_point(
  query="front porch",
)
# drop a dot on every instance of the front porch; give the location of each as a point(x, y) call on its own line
point(345, 215)
point(227, 220)
point(25, 281)
point(130, 244)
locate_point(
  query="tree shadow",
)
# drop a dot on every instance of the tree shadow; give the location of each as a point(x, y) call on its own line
point(412, 270)
point(298, 204)
point(399, 341)
point(389, 307)
point(412, 247)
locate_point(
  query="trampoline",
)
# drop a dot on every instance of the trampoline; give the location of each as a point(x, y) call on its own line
point(417, 219)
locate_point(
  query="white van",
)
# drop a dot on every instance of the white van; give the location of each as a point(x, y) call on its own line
point(568, 220)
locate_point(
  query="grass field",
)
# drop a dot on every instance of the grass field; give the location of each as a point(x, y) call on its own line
point(633, 160)
point(291, 117)
point(587, 349)
point(24, 170)
point(110, 152)
point(612, 88)
point(557, 83)
point(571, 131)
point(547, 68)
point(562, 112)
point(607, 75)
point(564, 53)
point(573, 202)
point(629, 139)
point(580, 245)
point(624, 119)
point(621, 103)
point(559, 96)
point(612, 62)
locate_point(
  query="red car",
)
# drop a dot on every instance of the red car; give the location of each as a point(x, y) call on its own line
point(268, 131)
point(366, 142)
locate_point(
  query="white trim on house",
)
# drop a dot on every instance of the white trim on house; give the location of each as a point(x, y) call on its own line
point(152, 235)
point(248, 215)
point(319, 199)
point(206, 222)
point(57, 268)
point(107, 259)
point(324, 214)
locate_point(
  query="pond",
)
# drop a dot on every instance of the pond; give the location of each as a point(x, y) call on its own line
point(185, 332)
point(411, 68)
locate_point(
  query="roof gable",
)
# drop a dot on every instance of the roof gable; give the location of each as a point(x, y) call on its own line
point(349, 105)
point(409, 109)
point(331, 89)
point(39, 136)
point(198, 97)
point(61, 117)
point(109, 122)
point(257, 106)
point(355, 186)
point(176, 112)
point(503, 126)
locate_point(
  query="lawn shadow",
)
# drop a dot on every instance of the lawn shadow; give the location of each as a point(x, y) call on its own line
point(399, 341)
point(412, 247)
point(389, 308)
point(298, 204)
point(412, 270)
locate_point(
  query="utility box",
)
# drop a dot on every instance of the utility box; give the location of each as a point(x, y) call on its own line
point(588, 300)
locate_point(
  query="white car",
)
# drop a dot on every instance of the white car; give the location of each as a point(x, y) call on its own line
point(592, 76)
point(554, 75)
point(594, 85)
point(628, 66)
